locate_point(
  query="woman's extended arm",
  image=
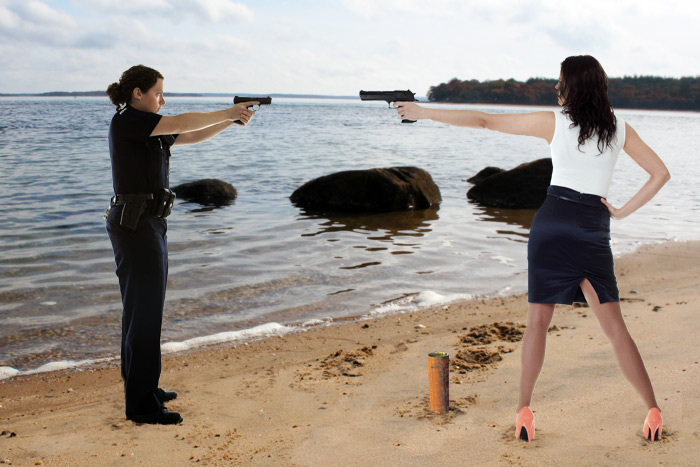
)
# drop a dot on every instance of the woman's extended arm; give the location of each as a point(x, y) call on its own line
point(201, 135)
point(538, 124)
point(195, 121)
point(652, 164)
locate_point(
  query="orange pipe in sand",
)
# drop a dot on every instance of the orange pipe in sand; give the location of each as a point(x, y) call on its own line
point(439, 380)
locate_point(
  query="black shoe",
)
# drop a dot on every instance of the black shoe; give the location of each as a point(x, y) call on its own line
point(165, 396)
point(160, 417)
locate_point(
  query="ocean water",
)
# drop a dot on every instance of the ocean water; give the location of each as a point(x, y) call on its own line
point(261, 265)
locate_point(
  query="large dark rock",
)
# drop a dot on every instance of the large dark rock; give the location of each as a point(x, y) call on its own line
point(208, 192)
point(524, 187)
point(484, 174)
point(372, 190)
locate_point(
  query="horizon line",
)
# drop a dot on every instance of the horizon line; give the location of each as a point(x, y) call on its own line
point(287, 94)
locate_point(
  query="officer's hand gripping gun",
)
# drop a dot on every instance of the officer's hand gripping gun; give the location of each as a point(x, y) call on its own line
point(262, 100)
point(389, 97)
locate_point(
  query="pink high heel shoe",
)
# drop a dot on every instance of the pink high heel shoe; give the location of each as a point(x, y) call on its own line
point(525, 425)
point(653, 424)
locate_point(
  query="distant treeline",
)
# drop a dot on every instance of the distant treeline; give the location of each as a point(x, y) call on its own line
point(636, 92)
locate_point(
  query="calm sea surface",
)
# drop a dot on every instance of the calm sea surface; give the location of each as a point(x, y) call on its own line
point(261, 259)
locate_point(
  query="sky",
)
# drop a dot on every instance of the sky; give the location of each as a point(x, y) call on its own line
point(335, 47)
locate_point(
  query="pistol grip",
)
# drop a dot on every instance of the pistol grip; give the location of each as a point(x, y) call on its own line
point(237, 122)
point(405, 120)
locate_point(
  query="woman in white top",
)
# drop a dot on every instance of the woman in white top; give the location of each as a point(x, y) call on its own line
point(569, 257)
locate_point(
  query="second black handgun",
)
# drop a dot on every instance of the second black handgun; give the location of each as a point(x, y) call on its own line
point(389, 97)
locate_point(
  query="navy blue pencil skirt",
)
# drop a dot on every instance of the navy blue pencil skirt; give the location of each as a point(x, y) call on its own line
point(569, 242)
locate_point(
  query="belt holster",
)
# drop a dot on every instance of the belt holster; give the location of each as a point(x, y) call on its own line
point(163, 203)
point(134, 207)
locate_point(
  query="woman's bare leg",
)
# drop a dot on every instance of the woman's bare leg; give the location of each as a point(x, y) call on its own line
point(539, 315)
point(613, 324)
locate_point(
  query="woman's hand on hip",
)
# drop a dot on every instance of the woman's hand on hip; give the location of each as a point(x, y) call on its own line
point(615, 213)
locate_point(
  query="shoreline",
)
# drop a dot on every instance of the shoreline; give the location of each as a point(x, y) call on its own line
point(355, 393)
point(273, 329)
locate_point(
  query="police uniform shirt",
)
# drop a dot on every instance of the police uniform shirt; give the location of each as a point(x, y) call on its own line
point(140, 162)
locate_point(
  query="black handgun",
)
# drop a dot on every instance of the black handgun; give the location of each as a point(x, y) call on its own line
point(389, 97)
point(263, 101)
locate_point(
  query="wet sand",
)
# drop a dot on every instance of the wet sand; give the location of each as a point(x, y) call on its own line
point(356, 393)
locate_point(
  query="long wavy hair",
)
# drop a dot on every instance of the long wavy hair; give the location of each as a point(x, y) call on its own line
point(138, 76)
point(584, 92)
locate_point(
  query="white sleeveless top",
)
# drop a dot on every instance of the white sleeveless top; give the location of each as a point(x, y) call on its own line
point(583, 168)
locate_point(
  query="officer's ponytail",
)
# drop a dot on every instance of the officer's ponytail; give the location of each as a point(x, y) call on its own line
point(138, 76)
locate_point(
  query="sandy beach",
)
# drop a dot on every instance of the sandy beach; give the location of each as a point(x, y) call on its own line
point(356, 393)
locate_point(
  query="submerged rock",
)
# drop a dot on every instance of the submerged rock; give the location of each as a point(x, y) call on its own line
point(207, 192)
point(372, 190)
point(524, 187)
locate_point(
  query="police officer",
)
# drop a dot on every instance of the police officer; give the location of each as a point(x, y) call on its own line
point(139, 147)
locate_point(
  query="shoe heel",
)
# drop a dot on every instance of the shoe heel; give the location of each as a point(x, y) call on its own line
point(525, 425)
point(523, 434)
point(653, 425)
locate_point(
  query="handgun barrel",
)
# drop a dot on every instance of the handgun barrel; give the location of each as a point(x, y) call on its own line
point(388, 96)
point(263, 100)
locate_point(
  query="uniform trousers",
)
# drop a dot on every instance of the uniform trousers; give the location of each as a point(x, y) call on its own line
point(141, 258)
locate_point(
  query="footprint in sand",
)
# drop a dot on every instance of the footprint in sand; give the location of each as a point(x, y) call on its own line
point(338, 364)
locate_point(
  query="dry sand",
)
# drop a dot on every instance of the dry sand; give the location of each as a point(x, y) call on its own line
point(356, 393)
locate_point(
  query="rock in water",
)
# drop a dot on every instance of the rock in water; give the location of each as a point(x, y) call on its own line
point(524, 187)
point(372, 190)
point(207, 192)
point(484, 174)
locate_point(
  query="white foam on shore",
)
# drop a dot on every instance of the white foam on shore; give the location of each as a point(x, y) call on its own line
point(258, 332)
point(317, 322)
point(416, 302)
point(406, 304)
point(621, 249)
point(9, 372)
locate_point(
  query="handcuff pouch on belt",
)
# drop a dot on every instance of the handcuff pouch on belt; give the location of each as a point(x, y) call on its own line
point(157, 204)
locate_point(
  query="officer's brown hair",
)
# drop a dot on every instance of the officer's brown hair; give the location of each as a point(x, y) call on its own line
point(138, 76)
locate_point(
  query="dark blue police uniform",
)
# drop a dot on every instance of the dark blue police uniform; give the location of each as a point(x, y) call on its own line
point(140, 165)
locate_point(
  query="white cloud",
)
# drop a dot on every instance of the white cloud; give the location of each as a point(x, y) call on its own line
point(34, 21)
point(9, 20)
point(39, 13)
point(97, 40)
point(399, 9)
point(124, 7)
point(216, 11)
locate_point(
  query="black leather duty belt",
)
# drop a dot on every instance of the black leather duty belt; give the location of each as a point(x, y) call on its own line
point(158, 204)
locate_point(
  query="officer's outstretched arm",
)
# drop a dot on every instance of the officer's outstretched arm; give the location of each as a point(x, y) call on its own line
point(195, 121)
point(194, 137)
